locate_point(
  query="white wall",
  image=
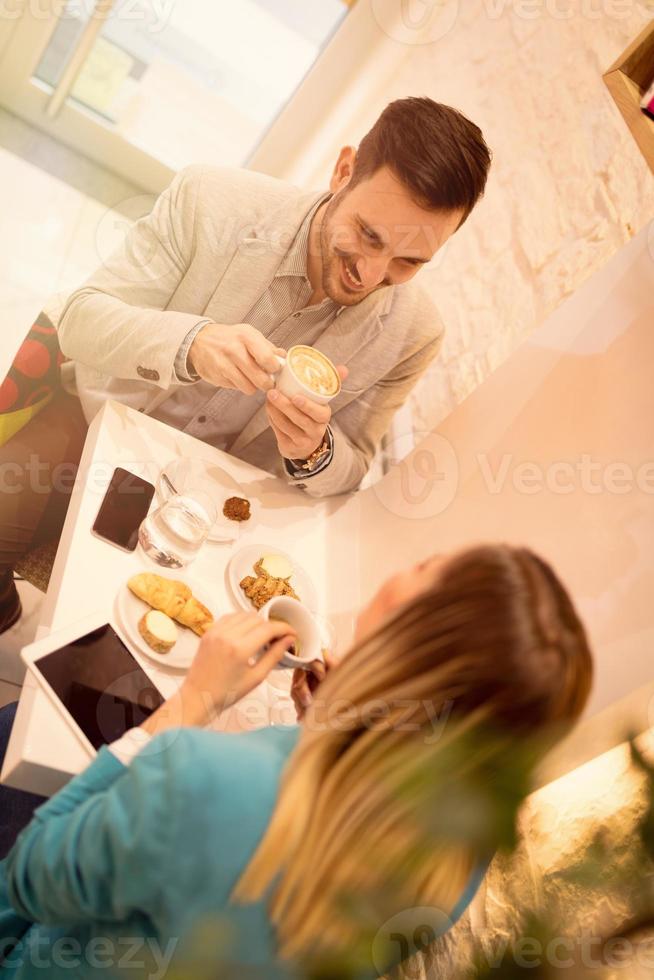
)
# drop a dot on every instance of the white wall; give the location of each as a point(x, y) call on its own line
point(568, 185)
point(555, 451)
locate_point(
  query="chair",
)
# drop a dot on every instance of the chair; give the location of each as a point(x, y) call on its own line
point(36, 565)
point(30, 384)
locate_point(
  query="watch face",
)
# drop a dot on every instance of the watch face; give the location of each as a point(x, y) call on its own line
point(317, 456)
point(311, 461)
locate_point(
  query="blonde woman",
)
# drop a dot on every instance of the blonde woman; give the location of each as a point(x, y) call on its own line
point(254, 854)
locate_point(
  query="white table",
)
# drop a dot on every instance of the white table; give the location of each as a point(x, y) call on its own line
point(43, 753)
point(580, 386)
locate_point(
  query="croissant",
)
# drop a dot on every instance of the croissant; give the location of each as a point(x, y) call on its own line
point(173, 598)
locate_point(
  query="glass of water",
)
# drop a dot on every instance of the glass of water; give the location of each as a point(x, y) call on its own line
point(173, 534)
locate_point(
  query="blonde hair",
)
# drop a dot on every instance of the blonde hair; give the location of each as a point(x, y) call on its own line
point(497, 647)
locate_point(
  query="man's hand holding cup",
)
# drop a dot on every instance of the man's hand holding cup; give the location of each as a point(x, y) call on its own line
point(298, 406)
point(235, 356)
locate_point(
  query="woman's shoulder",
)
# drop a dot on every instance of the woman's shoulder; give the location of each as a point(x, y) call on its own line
point(218, 763)
point(218, 791)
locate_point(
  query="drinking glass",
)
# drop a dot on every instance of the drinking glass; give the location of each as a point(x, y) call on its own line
point(188, 474)
point(173, 534)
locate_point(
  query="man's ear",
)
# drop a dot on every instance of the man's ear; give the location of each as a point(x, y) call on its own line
point(343, 169)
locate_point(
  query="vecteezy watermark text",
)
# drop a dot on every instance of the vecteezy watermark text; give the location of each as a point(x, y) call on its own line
point(420, 22)
point(421, 485)
point(146, 955)
point(425, 482)
point(413, 930)
point(584, 473)
point(153, 15)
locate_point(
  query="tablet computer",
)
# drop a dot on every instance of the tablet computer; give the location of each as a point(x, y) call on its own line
point(93, 680)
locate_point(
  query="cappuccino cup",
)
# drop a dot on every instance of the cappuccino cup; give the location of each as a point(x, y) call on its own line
point(306, 371)
point(308, 645)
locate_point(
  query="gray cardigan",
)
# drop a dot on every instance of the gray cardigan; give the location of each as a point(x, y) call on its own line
point(206, 252)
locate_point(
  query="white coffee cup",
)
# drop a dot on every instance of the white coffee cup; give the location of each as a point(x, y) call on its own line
point(288, 382)
point(309, 637)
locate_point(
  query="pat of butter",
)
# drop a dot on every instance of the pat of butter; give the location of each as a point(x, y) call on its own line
point(161, 626)
point(277, 566)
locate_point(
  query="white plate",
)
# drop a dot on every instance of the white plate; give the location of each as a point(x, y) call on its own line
point(242, 564)
point(213, 480)
point(130, 609)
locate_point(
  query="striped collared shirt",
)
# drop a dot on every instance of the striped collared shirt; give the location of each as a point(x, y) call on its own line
point(283, 304)
point(217, 415)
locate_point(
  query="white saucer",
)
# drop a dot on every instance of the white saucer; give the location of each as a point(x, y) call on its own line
point(242, 563)
point(130, 609)
point(217, 483)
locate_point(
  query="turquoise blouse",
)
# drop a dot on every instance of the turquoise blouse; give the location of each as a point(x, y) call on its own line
point(129, 866)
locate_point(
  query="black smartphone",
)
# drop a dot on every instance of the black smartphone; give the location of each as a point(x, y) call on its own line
point(125, 504)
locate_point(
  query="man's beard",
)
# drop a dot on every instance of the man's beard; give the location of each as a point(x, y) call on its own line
point(330, 262)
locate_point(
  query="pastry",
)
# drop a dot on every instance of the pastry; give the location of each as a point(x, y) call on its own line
point(173, 598)
point(158, 631)
point(237, 509)
point(265, 585)
point(196, 616)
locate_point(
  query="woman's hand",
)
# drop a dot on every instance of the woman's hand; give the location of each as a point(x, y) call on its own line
point(306, 682)
point(233, 658)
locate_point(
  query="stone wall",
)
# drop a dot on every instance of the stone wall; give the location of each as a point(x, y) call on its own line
point(581, 827)
point(568, 184)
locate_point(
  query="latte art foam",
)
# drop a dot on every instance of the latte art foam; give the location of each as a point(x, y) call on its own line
point(314, 370)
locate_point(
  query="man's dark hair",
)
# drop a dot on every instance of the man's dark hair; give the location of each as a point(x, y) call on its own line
point(438, 154)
